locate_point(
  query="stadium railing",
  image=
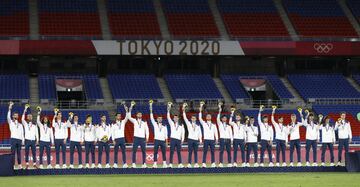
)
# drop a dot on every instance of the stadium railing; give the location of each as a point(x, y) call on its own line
point(334, 101)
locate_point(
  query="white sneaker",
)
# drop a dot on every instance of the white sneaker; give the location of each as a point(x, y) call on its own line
point(41, 166)
point(57, 166)
point(170, 165)
point(332, 164)
point(144, 166)
point(125, 165)
point(338, 164)
point(99, 166)
point(87, 165)
point(189, 166)
point(229, 165)
point(262, 165)
point(196, 165)
point(64, 166)
point(93, 165)
point(220, 165)
point(164, 164)
point(314, 164)
point(49, 167)
point(107, 165)
point(133, 165)
point(20, 166)
point(277, 164)
point(203, 165)
point(180, 166)
point(322, 164)
point(271, 164)
point(71, 166)
point(243, 165)
point(154, 165)
point(256, 165)
point(80, 166)
point(284, 164)
point(213, 165)
point(234, 164)
point(299, 164)
point(291, 164)
point(248, 164)
point(307, 164)
point(115, 166)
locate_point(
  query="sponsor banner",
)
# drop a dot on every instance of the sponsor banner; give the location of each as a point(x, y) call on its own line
point(57, 47)
point(184, 154)
point(167, 47)
point(9, 47)
point(178, 47)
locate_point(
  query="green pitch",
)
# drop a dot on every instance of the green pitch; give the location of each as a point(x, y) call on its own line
point(210, 180)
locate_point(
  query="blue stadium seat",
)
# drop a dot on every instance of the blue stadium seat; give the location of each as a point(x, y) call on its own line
point(322, 86)
point(192, 86)
point(14, 86)
point(134, 86)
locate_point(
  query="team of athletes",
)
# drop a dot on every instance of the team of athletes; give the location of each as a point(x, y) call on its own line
point(229, 132)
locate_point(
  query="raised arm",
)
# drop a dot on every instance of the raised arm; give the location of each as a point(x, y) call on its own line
point(170, 121)
point(126, 119)
point(187, 122)
point(218, 116)
point(153, 122)
point(9, 113)
point(231, 122)
point(38, 121)
point(276, 125)
point(128, 115)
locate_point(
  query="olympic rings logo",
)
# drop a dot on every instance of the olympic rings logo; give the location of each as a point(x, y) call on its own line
point(150, 157)
point(323, 47)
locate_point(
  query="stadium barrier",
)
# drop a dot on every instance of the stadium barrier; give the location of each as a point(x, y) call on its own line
point(184, 155)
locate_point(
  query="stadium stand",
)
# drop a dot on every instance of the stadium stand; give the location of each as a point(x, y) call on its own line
point(356, 77)
point(69, 18)
point(134, 86)
point(192, 86)
point(252, 19)
point(132, 19)
point(47, 85)
point(320, 18)
point(14, 18)
point(14, 86)
point(354, 6)
point(237, 91)
point(190, 19)
point(322, 86)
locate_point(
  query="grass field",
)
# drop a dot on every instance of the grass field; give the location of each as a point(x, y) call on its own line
point(206, 180)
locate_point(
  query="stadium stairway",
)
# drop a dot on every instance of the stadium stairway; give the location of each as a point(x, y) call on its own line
point(164, 90)
point(34, 89)
point(349, 15)
point(105, 29)
point(353, 83)
point(289, 26)
point(106, 90)
point(161, 20)
point(224, 92)
point(218, 19)
point(34, 20)
point(291, 89)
